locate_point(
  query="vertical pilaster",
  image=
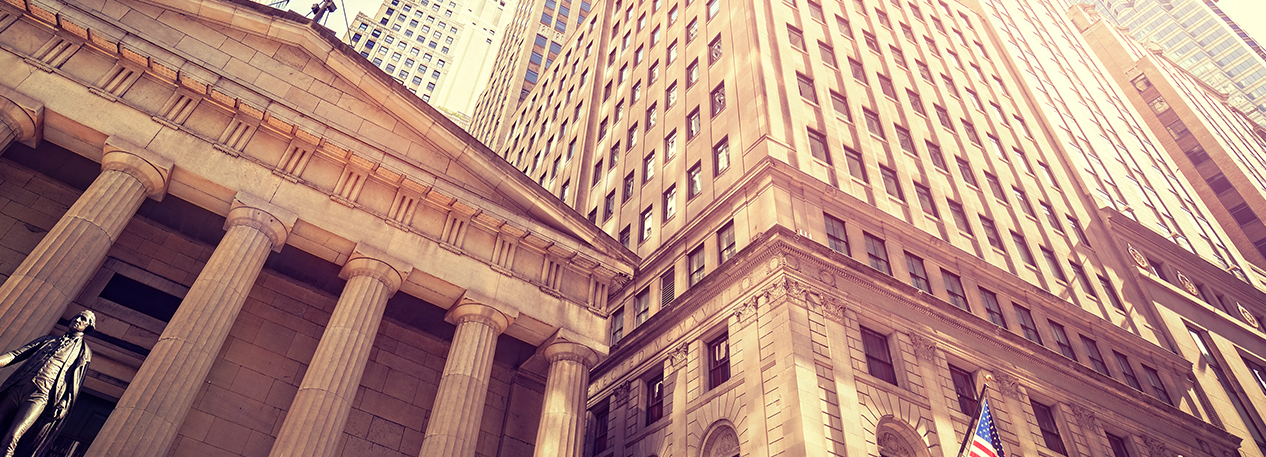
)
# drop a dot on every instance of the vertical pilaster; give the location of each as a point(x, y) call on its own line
point(315, 422)
point(152, 409)
point(453, 429)
point(562, 429)
point(39, 290)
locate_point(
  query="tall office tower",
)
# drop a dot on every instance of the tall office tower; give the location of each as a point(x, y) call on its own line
point(848, 213)
point(441, 50)
point(1199, 37)
point(520, 63)
point(1217, 147)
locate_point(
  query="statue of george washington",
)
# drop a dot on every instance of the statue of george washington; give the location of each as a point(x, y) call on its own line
point(41, 392)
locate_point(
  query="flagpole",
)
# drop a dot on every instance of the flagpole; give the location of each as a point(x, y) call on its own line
point(971, 427)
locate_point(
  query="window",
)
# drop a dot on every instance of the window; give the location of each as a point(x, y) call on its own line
point(964, 168)
point(652, 116)
point(871, 41)
point(1046, 423)
point(1158, 386)
point(991, 181)
point(877, 252)
point(692, 30)
point(965, 390)
point(828, 54)
point(1127, 371)
point(904, 139)
point(714, 7)
point(943, 116)
point(856, 167)
point(670, 202)
point(642, 306)
point(1118, 446)
point(970, 130)
point(648, 218)
point(1022, 247)
point(725, 242)
point(667, 287)
point(718, 99)
point(840, 103)
point(805, 85)
point(721, 155)
point(718, 361)
point(1061, 340)
point(918, 275)
point(617, 326)
point(1211, 361)
point(891, 185)
point(1081, 236)
point(628, 187)
point(602, 426)
point(859, 72)
point(1022, 199)
point(1053, 264)
point(609, 207)
point(843, 25)
point(694, 180)
point(924, 194)
point(670, 146)
point(1029, 327)
point(959, 215)
point(1111, 292)
point(872, 123)
point(954, 287)
point(693, 124)
point(934, 154)
point(692, 73)
point(885, 85)
point(992, 308)
point(715, 50)
point(1092, 352)
point(815, 11)
point(916, 102)
point(796, 37)
point(878, 357)
point(817, 146)
point(696, 266)
point(655, 399)
point(836, 238)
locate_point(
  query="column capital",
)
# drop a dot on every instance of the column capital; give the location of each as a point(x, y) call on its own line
point(25, 126)
point(473, 311)
point(567, 350)
point(374, 268)
point(152, 176)
point(258, 219)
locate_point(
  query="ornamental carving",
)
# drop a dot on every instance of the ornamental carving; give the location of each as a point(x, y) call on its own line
point(677, 358)
point(891, 444)
point(1248, 316)
point(1187, 285)
point(1008, 385)
point(924, 348)
point(829, 306)
point(621, 394)
point(724, 443)
point(1155, 447)
point(784, 286)
point(746, 310)
point(1138, 257)
point(827, 278)
point(1085, 417)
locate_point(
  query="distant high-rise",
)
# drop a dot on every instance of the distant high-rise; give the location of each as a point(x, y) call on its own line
point(440, 50)
point(548, 24)
point(1200, 38)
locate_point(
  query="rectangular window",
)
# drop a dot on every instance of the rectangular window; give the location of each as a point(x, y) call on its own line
point(696, 266)
point(1053, 264)
point(1061, 340)
point(828, 54)
point(924, 194)
point(718, 361)
point(954, 288)
point(617, 325)
point(959, 214)
point(1111, 291)
point(918, 275)
point(817, 146)
point(602, 426)
point(1127, 371)
point(991, 233)
point(904, 139)
point(1046, 423)
point(796, 37)
point(721, 155)
point(667, 287)
point(840, 103)
point(648, 219)
point(836, 238)
point(943, 116)
point(877, 252)
point(878, 356)
point(1022, 199)
point(805, 85)
point(992, 308)
point(891, 185)
point(1029, 327)
point(1022, 248)
point(1092, 353)
point(642, 306)
point(859, 72)
point(694, 180)
point(934, 153)
point(670, 202)
point(1158, 386)
point(965, 390)
point(856, 167)
point(872, 123)
point(655, 399)
point(885, 85)
point(1118, 446)
point(916, 102)
point(726, 245)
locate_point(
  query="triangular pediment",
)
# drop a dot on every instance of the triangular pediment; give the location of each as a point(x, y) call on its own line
point(313, 107)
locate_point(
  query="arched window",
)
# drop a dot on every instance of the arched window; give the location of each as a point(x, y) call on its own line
point(722, 442)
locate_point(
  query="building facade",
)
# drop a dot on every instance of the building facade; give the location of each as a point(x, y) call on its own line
point(1200, 38)
point(442, 51)
point(288, 252)
point(520, 64)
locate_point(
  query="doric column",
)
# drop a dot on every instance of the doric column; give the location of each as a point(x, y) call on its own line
point(562, 429)
point(453, 430)
point(319, 412)
point(39, 290)
point(16, 123)
point(146, 420)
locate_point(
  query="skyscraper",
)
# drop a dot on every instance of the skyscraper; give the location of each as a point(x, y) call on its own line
point(442, 51)
point(1200, 38)
point(807, 182)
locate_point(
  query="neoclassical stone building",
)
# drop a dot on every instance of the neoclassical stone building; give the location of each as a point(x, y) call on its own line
point(289, 253)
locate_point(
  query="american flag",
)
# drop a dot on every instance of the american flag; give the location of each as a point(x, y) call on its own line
point(985, 442)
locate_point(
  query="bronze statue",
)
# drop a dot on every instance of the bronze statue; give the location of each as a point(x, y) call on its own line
point(41, 392)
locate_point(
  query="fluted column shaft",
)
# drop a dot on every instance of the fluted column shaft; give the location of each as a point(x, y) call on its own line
point(319, 412)
point(453, 430)
point(562, 429)
point(146, 420)
point(39, 290)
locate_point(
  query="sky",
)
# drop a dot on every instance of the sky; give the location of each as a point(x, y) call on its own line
point(1249, 14)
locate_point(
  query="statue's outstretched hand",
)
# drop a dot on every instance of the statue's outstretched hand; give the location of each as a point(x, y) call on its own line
point(59, 412)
